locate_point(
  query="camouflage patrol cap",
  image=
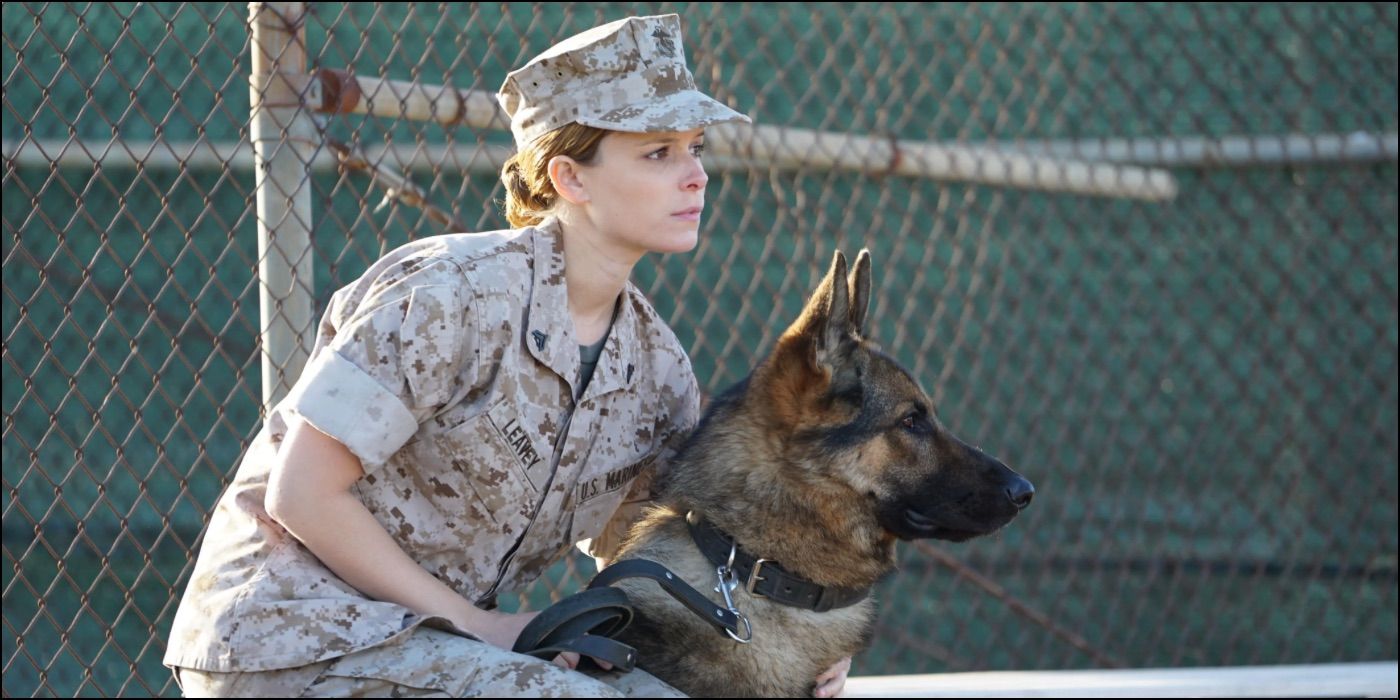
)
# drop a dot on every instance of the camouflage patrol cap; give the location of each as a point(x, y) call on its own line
point(628, 75)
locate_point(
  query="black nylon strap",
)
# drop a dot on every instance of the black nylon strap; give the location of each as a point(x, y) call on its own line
point(586, 621)
point(582, 623)
point(773, 582)
point(718, 617)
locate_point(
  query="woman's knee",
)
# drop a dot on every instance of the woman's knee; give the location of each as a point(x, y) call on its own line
point(525, 676)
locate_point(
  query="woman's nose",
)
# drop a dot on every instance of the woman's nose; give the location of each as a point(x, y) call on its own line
point(696, 176)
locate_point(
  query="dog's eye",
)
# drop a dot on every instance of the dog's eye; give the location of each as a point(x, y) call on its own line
point(914, 422)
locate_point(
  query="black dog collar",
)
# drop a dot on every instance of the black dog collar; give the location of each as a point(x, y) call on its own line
point(764, 578)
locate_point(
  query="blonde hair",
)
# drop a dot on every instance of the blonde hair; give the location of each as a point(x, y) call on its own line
point(530, 196)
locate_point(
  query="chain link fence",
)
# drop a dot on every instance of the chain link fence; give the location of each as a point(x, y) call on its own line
point(1146, 254)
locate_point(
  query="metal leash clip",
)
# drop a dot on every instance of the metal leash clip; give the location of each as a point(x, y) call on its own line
point(727, 583)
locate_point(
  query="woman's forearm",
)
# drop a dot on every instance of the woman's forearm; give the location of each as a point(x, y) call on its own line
point(309, 493)
point(347, 538)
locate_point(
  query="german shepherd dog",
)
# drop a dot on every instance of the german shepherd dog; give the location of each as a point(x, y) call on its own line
point(817, 462)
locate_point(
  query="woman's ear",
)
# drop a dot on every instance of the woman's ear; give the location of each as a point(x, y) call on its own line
point(563, 174)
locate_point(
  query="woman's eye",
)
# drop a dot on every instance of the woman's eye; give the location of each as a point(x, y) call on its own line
point(665, 151)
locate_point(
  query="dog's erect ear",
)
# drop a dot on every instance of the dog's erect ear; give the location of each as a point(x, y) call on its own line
point(860, 292)
point(838, 305)
point(824, 327)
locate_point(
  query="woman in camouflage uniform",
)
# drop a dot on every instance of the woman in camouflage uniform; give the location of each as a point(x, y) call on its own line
point(473, 405)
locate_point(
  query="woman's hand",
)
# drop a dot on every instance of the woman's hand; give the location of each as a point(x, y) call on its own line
point(502, 629)
point(832, 682)
point(569, 660)
point(497, 629)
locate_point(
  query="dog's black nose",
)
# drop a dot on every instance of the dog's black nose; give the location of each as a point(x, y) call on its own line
point(1019, 492)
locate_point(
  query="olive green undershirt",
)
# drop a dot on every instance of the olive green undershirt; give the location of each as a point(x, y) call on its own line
point(588, 355)
point(588, 361)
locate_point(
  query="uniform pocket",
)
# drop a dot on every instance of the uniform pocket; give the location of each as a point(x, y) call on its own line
point(432, 344)
point(603, 490)
point(453, 501)
point(470, 470)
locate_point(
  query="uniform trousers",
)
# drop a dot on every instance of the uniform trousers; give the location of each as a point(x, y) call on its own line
point(426, 663)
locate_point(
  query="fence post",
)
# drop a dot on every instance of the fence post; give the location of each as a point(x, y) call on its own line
point(284, 135)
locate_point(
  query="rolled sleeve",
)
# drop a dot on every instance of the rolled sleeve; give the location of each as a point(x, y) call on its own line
point(339, 399)
point(392, 353)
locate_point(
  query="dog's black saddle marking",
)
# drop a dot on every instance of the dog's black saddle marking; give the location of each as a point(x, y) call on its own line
point(586, 622)
point(770, 581)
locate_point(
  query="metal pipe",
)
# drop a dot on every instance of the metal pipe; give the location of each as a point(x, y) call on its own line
point(785, 147)
point(1299, 150)
point(284, 135)
point(780, 147)
point(780, 151)
point(1220, 152)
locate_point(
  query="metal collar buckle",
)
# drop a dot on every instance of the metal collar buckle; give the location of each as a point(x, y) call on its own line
point(754, 578)
point(727, 583)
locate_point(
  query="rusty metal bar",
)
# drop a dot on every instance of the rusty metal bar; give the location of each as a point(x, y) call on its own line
point(396, 187)
point(779, 147)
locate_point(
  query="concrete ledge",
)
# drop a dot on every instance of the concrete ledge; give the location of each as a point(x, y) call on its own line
point(1320, 680)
